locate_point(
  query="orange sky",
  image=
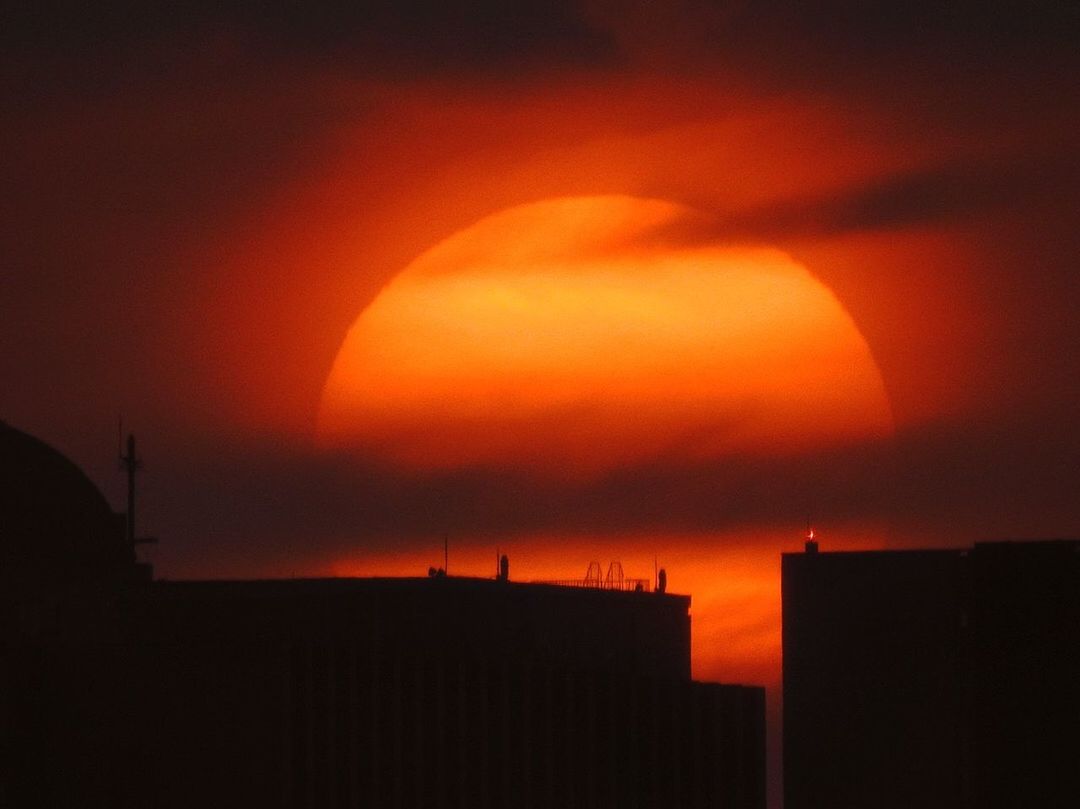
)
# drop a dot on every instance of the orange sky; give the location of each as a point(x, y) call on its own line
point(571, 337)
point(195, 217)
point(495, 153)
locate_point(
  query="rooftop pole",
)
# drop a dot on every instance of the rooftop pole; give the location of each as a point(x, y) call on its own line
point(130, 463)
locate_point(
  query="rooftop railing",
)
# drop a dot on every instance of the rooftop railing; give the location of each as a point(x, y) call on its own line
point(624, 585)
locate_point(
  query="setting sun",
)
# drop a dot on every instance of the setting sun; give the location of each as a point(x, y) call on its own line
point(573, 336)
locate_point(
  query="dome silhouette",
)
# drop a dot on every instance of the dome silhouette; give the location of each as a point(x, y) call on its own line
point(51, 515)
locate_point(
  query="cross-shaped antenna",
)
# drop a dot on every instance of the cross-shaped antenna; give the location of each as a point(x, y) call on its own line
point(130, 462)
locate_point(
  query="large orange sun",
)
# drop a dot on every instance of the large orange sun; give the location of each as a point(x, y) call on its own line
point(574, 336)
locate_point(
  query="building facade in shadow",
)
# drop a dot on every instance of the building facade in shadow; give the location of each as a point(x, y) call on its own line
point(118, 690)
point(945, 678)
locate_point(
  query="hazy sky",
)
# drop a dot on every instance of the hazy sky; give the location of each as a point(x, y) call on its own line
point(199, 202)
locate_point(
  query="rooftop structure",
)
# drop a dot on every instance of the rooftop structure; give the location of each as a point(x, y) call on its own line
point(52, 518)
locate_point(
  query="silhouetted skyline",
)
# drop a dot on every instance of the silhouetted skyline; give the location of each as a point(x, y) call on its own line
point(118, 690)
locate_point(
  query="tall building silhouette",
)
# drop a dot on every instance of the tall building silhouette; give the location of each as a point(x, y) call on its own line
point(118, 690)
point(945, 678)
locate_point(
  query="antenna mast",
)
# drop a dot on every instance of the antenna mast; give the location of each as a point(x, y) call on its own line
point(130, 463)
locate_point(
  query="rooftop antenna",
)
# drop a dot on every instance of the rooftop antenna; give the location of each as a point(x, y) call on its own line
point(129, 463)
point(614, 579)
point(446, 553)
point(593, 576)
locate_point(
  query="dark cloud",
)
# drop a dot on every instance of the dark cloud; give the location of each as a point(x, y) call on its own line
point(377, 35)
point(397, 22)
point(99, 44)
point(948, 482)
point(942, 195)
point(487, 26)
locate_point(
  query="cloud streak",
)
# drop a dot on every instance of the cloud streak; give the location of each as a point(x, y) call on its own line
point(946, 483)
point(954, 193)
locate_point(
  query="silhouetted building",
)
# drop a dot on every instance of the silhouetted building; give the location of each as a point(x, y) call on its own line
point(120, 691)
point(942, 678)
point(55, 522)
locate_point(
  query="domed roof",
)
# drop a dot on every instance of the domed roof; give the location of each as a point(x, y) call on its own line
point(51, 515)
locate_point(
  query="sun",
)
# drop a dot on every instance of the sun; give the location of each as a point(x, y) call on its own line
point(578, 335)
